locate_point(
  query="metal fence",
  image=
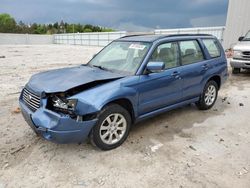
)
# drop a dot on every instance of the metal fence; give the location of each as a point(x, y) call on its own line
point(88, 39)
point(104, 38)
point(9, 38)
point(216, 31)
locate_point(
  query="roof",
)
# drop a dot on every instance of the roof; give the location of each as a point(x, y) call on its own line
point(152, 38)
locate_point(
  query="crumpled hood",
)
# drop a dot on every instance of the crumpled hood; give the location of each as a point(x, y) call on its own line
point(61, 80)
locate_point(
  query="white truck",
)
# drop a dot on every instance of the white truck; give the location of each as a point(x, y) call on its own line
point(241, 54)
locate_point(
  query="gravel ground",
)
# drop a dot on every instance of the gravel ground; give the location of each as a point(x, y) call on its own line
point(182, 148)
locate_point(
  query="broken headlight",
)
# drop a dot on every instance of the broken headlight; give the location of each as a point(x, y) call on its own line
point(64, 104)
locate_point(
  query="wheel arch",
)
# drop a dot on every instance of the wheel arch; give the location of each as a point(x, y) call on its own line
point(125, 103)
point(217, 79)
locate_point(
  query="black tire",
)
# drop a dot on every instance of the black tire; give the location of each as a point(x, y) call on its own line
point(201, 104)
point(236, 70)
point(108, 111)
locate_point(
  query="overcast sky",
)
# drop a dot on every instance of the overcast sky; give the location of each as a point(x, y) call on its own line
point(132, 15)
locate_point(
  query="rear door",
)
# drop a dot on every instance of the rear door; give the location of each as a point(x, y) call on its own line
point(194, 67)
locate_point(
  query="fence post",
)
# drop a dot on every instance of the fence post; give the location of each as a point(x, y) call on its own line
point(222, 34)
point(81, 38)
point(108, 38)
point(27, 38)
point(98, 38)
point(53, 39)
point(89, 39)
point(74, 36)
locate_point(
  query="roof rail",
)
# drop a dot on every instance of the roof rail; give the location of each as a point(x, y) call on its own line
point(176, 35)
point(162, 36)
point(136, 35)
point(166, 35)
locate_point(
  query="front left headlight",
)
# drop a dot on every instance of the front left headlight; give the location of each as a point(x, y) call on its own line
point(72, 104)
point(65, 104)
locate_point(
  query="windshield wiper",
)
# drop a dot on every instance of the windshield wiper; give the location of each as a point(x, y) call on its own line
point(100, 67)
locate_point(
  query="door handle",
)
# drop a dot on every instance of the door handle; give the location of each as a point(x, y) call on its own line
point(176, 75)
point(205, 66)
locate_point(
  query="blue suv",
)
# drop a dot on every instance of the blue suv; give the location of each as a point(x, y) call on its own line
point(133, 78)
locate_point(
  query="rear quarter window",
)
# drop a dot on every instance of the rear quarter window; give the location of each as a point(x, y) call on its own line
point(212, 47)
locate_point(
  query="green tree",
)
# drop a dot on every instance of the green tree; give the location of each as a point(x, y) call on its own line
point(33, 28)
point(78, 28)
point(87, 30)
point(56, 25)
point(7, 24)
point(107, 29)
point(69, 28)
point(41, 29)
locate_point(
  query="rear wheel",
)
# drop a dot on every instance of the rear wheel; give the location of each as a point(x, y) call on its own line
point(112, 128)
point(236, 70)
point(209, 96)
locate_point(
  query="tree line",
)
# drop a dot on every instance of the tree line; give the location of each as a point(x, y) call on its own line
point(9, 25)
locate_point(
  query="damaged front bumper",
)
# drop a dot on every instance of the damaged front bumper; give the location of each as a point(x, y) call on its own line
point(56, 127)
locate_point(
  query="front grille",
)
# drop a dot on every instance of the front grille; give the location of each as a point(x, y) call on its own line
point(31, 99)
point(247, 53)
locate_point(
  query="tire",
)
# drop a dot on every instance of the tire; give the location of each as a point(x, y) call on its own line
point(107, 134)
point(236, 70)
point(209, 96)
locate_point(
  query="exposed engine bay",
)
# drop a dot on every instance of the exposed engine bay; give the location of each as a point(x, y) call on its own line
point(59, 102)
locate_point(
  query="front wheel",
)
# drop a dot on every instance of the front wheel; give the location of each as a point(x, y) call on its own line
point(112, 128)
point(209, 96)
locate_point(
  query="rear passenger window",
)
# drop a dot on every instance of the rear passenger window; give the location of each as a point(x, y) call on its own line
point(190, 52)
point(212, 47)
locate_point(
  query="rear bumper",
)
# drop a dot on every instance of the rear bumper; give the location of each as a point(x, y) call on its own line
point(55, 127)
point(236, 63)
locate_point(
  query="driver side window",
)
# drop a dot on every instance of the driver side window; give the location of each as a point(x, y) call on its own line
point(168, 54)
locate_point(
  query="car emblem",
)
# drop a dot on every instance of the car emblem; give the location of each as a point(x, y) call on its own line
point(30, 97)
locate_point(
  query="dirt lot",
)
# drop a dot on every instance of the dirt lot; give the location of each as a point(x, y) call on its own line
point(182, 148)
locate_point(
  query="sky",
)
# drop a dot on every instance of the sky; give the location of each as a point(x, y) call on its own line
point(129, 15)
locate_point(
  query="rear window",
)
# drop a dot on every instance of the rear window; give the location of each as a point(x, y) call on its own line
point(212, 47)
point(190, 52)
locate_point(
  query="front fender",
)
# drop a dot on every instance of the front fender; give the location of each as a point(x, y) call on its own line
point(93, 100)
point(127, 93)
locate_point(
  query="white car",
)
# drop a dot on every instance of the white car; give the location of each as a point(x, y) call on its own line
point(241, 54)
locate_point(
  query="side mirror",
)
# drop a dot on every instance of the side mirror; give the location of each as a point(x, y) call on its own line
point(241, 38)
point(155, 66)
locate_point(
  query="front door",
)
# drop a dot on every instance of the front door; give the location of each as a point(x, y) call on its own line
point(161, 89)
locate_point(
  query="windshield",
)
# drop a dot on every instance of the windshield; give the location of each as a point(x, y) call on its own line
point(247, 37)
point(119, 56)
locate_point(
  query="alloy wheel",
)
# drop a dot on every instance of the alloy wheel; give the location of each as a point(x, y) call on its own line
point(113, 128)
point(210, 95)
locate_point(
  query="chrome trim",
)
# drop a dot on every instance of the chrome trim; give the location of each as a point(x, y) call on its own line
point(31, 99)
